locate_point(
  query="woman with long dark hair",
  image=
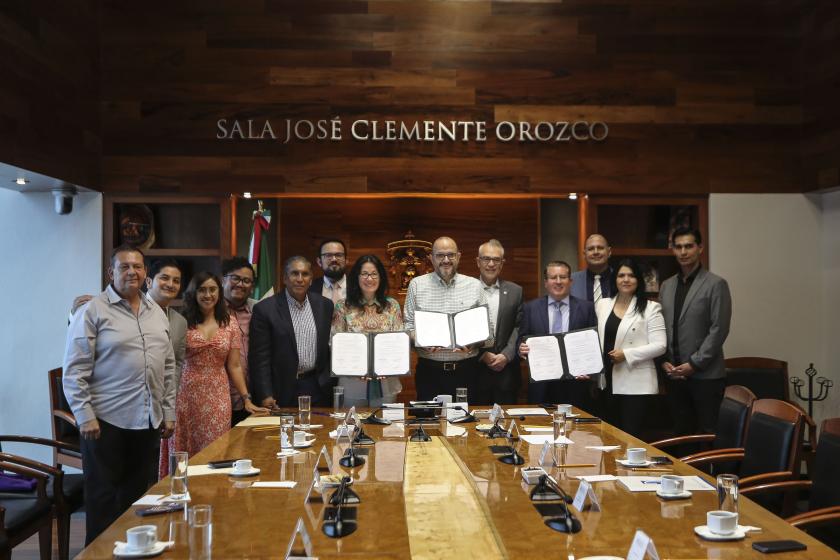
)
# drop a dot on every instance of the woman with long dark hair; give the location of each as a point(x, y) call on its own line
point(632, 332)
point(211, 365)
point(368, 309)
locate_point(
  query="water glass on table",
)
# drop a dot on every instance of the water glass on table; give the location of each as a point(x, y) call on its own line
point(305, 409)
point(287, 427)
point(201, 532)
point(461, 394)
point(727, 489)
point(338, 399)
point(178, 464)
point(559, 423)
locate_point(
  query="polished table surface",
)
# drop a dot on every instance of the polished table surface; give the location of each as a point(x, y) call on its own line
point(450, 496)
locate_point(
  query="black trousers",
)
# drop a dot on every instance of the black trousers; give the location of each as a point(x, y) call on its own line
point(627, 412)
point(694, 404)
point(496, 386)
point(116, 473)
point(432, 379)
point(574, 392)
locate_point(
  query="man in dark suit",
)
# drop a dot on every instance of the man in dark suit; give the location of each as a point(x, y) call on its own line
point(498, 376)
point(697, 307)
point(289, 352)
point(557, 312)
point(593, 283)
point(332, 258)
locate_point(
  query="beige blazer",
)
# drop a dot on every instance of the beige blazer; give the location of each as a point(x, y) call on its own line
point(642, 338)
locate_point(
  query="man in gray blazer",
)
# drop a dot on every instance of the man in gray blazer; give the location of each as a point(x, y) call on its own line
point(593, 283)
point(498, 376)
point(697, 309)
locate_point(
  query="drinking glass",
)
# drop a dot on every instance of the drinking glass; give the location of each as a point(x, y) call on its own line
point(338, 399)
point(201, 532)
point(287, 427)
point(727, 489)
point(305, 408)
point(559, 426)
point(461, 394)
point(178, 463)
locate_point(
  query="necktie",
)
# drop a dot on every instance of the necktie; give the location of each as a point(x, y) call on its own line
point(557, 324)
point(596, 289)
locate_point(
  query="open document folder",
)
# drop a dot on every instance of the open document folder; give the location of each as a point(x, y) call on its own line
point(449, 330)
point(575, 353)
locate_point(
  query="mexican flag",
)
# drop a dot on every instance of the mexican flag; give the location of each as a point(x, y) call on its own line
point(260, 256)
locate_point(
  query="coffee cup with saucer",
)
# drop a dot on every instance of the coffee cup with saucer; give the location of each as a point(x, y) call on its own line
point(672, 487)
point(721, 526)
point(244, 467)
point(636, 457)
point(140, 541)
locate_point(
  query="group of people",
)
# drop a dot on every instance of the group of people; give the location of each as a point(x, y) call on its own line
point(136, 371)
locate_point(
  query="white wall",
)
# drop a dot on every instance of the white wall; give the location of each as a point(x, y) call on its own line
point(830, 205)
point(773, 250)
point(47, 259)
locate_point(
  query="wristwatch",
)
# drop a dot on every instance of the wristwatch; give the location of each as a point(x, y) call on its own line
point(247, 397)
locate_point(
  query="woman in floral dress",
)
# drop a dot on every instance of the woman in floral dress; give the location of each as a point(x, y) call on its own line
point(211, 365)
point(368, 309)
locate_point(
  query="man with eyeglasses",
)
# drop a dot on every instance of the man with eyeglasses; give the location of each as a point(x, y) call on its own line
point(332, 258)
point(440, 371)
point(498, 375)
point(238, 285)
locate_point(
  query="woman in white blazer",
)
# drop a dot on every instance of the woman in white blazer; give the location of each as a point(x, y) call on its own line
point(632, 332)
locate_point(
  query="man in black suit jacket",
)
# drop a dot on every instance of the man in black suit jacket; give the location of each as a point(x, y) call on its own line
point(498, 376)
point(289, 353)
point(332, 258)
point(557, 312)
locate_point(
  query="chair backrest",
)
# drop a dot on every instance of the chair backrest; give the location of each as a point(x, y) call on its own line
point(733, 417)
point(63, 426)
point(774, 438)
point(825, 492)
point(765, 377)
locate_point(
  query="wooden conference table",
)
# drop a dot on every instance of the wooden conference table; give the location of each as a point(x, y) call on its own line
point(450, 497)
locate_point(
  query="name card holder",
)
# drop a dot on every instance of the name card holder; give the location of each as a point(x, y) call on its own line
point(303, 551)
point(586, 492)
point(642, 547)
point(324, 462)
point(311, 494)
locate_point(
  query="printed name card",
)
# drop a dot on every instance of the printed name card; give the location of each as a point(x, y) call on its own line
point(584, 492)
point(641, 547)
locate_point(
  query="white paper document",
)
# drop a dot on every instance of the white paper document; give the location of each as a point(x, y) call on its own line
point(350, 354)
point(539, 429)
point(652, 483)
point(431, 329)
point(597, 477)
point(274, 484)
point(472, 325)
point(544, 358)
point(252, 421)
point(391, 353)
point(603, 447)
point(538, 411)
point(539, 439)
point(583, 352)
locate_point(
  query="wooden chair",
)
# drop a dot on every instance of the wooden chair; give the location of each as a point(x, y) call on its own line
point(65, 491)
point(732, 423)
point(824, 500)
point(23, 516)
point(64, 427)
point(772, 446)
point(765, 377)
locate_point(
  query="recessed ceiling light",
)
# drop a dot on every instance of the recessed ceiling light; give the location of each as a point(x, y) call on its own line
point(246, 195)
point(21, 181)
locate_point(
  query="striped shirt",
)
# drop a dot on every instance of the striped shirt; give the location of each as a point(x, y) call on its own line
point(306, 336)
point(430, 293)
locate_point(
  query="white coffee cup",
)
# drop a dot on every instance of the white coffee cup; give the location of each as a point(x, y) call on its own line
point(671, 484)
point(722, 522)
point(300, 437)
point(636, 455)
point(242, 465)
point(142, 537)
point(567, 408)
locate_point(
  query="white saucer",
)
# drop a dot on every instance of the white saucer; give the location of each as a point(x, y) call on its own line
point(627, 463)
point(252, 472)
point(305, 444)
point(122, 550)
point(678, 496)
point(704, 533)
point(602, 558)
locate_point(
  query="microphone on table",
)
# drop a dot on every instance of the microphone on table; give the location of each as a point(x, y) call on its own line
point(337, 526)
point(513, 458)
point(350, 458)
point(497, 431)
point(465, 419)
point(372, 419)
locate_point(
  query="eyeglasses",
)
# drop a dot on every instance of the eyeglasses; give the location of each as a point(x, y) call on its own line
point(234, 279)
point(330, 256)
point(444, 256)
point(369, 275)
point(488, 260)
